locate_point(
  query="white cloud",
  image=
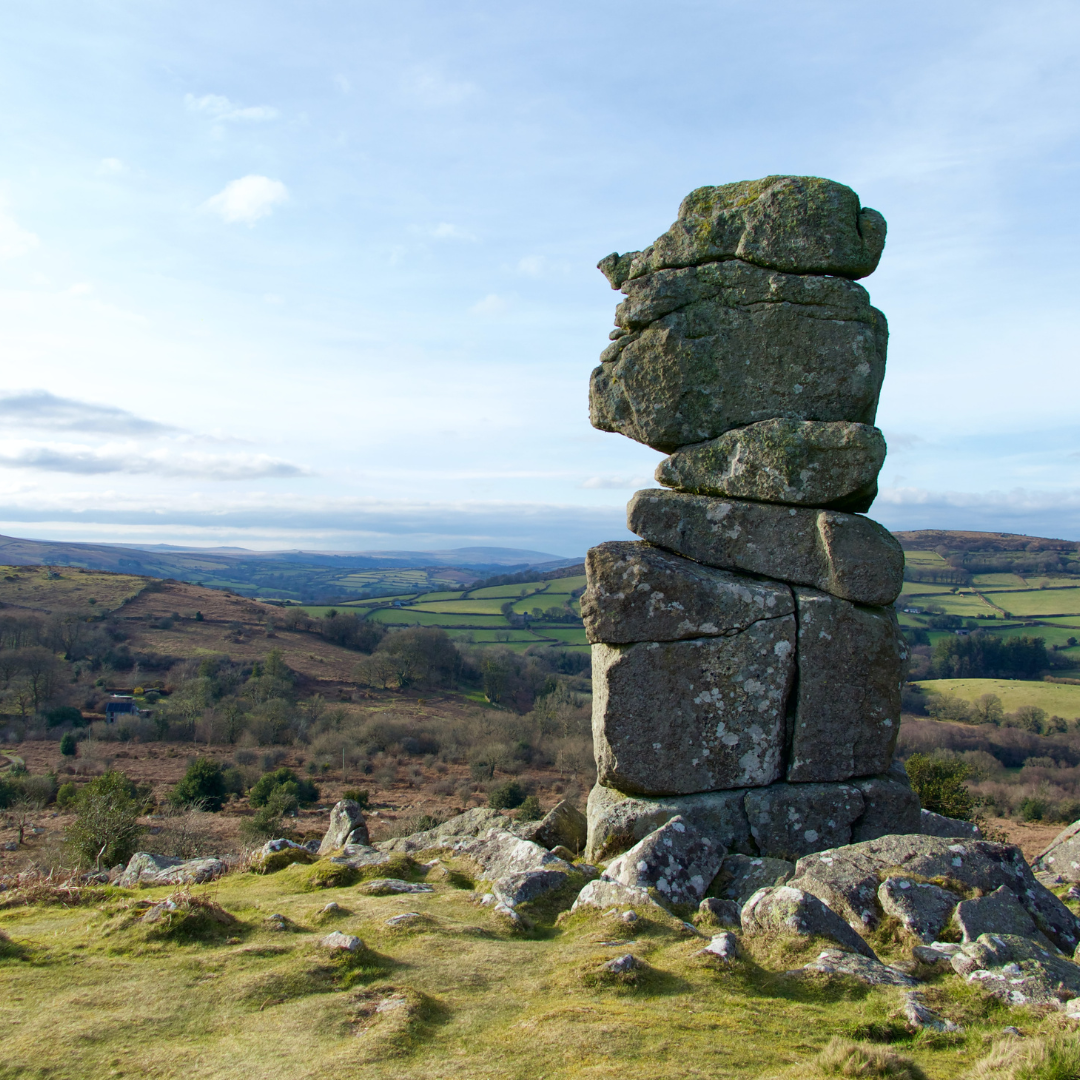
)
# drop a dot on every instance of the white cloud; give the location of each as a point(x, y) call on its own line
point(110, 166)
point(40, 409)
point(431, 87)
point(14, 240)
point(619, 483)
point(248, 199)
point(492, 304)
point(88, 461)
point(532, 265)
point(445, 231)
point(221, 108)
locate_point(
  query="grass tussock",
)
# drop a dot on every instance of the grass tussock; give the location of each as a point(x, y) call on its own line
point(183, 918)
point(392, 1021)
point(1051, 1058)
point(37, 887)
point(842, 1057)
point(274, 861)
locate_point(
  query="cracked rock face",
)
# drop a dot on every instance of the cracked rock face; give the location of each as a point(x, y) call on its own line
point(675, 860)
point(1062, 855)
point(800, 224)
point(741, 876)
point(843, 554)
point(1018, 970)
point(672, 718)
point(847, 706)
point(789, 820)
point(785, 908)
point(924, 909)
point(803, 462)
point(710, 348)
point(638, 592)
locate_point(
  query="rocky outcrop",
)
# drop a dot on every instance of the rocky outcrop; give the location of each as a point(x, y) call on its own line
point(741, 876)
point(924, 909)
point(471, 823)
point(563, 825)
point(1062, 855)
point(146, 869)
point(788, 909)
point(1017, 970)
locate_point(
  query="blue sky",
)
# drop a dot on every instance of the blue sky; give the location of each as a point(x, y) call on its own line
point(321, 275)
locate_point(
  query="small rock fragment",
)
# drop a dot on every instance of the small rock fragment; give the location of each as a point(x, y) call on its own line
point(620, 965)
point(725, 946)
point(391, 886)
point(338, 940)
point(725, 912)
point(919, 1015)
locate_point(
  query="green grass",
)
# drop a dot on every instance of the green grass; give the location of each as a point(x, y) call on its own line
point(1038, 602)
point(1004, 581)
point(1058, 699)
point(411, 617)
point(459, 607)
point(572, 635)
point(929, 559)
point(474, 999)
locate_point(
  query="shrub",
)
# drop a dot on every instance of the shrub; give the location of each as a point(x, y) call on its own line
point(1033, 808)
point(506, 796)
point(203, 785)
point(482, 768)
point(530, 809)
point(266, 822)
point(64, 714)
point(301, 792)
point(939, 783)
point(106, 830)
point(65, 795)
point(68, 745)
point(360, 796)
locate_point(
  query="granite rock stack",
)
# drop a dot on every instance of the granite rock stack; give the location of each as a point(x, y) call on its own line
point(745, 651)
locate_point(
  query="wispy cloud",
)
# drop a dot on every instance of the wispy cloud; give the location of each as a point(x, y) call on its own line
point(618, 483)
point(15, 240)
point(110, 166)
point(218, 107)
point(40, 409)
point(248, 199)
point(87, 461)
point(430, 87)
point(445, 231)
point(492, 304)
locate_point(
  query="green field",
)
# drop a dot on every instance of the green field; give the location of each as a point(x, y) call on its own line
point(458, 607)
point(1058, 699)
point(1035, 602)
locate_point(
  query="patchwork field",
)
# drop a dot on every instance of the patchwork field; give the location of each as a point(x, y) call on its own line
point(1058, 699)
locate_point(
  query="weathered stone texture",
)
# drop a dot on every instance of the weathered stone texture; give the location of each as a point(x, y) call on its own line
point(843, 554)
point(740, 876)
point(618, 821)
point(924, 909)
point(847, 704)
point(800, 224)
point(890, 806)
point(637, 592)
point(789, 820)
point(803, 462)
point(676, 860)
point(711, 348)
point(1062, 855)
point(688, 716)
point(347, 826)
point(785, 908)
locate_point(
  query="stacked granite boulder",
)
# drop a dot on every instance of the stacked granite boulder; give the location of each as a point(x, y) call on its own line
point(746, 662)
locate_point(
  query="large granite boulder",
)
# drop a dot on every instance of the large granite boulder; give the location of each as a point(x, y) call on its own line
point(710, 348)
point(847, 701)
point(740, 876)
point(347, 825)
point(1018, 970)
point(890, 805)
point(1062, 854)
point(803, 462)
point(922, 908)
point(789, 820)
point(998, 912)
point(518, 871)
point(675, 860)
point(471, 823)
point(847, 878)
point(843, 554)
point(637, 592)
point(672, 718)
point(783, 907)
point(801, 224)
point(618, 898)
point(617, 821)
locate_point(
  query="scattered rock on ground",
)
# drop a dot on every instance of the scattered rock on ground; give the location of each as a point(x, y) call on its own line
point(563, 825)
point(392, 886)
point(519, 870)
point(620, 965)
point(338, 940)
point(149, 870)
point(360, 856)
point(347, 825)
point(676, 860)
point(783, 908)
point(919, 1015)
point(471, 823)
point(606, 895)
point(725, 946)
point(1018, 970)
point(923, 909)
point(870, 971)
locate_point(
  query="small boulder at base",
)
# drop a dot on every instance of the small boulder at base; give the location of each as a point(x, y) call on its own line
point(890, 805)
point(676, 860)
point(924, 909)
point(932, 824)
point(998, 912)
point(346, 825)
point(622, 899)
point(472, 823)
point(564, 824)
point(393, 887)
point(724, 946)
point(724, 912)
point(741, 876)
point(1018, 970)
point(514, 889)
point(784, 908)
point(150, 870)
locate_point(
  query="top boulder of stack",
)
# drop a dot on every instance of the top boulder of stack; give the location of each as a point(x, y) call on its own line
point(796, 224)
